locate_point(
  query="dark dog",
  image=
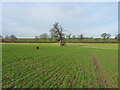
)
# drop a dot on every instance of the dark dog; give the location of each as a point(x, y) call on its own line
point(37, 47)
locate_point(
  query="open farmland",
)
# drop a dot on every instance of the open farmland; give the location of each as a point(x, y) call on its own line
point(51, 66)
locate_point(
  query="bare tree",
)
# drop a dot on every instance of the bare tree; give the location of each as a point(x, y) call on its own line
point(74, 36)
point(80, 37)
point(69, 36)
point(58, 32)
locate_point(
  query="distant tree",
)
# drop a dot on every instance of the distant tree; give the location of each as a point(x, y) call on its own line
point(58, 32)
point(6, 37)
point(69, 36)
point(44, 36)
point(81, 36)
point(13, 37)
point(108, 36)
point(74, 36)
point(36, 37)
point(117, 37)
point(92, 37)
point(1, 36)
point(104, 35)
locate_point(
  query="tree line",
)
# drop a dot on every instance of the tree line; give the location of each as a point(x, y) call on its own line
point(70, 36)
point(13, 37)
point(57, 32)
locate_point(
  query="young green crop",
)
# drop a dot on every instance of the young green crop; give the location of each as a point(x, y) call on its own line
point(52, 66)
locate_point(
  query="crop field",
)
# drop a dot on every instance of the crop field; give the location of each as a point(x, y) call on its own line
point(76, 65)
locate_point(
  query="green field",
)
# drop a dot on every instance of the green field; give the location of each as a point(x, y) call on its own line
point(76, 65)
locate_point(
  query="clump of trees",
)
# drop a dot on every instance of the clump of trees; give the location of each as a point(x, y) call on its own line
point(1, 36)
point(43, 36)
point(11, 37)
point(80, 37)
point(69, 36)
point(74, 37)
point(105, 36)
point(117, 37)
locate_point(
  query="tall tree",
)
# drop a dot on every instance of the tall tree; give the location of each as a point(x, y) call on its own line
point(58, 32)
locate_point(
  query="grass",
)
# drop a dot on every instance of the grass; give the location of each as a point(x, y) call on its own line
point(94, 45)
point(52, 66)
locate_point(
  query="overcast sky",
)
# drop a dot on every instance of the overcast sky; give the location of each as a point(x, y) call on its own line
point(28, 19)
